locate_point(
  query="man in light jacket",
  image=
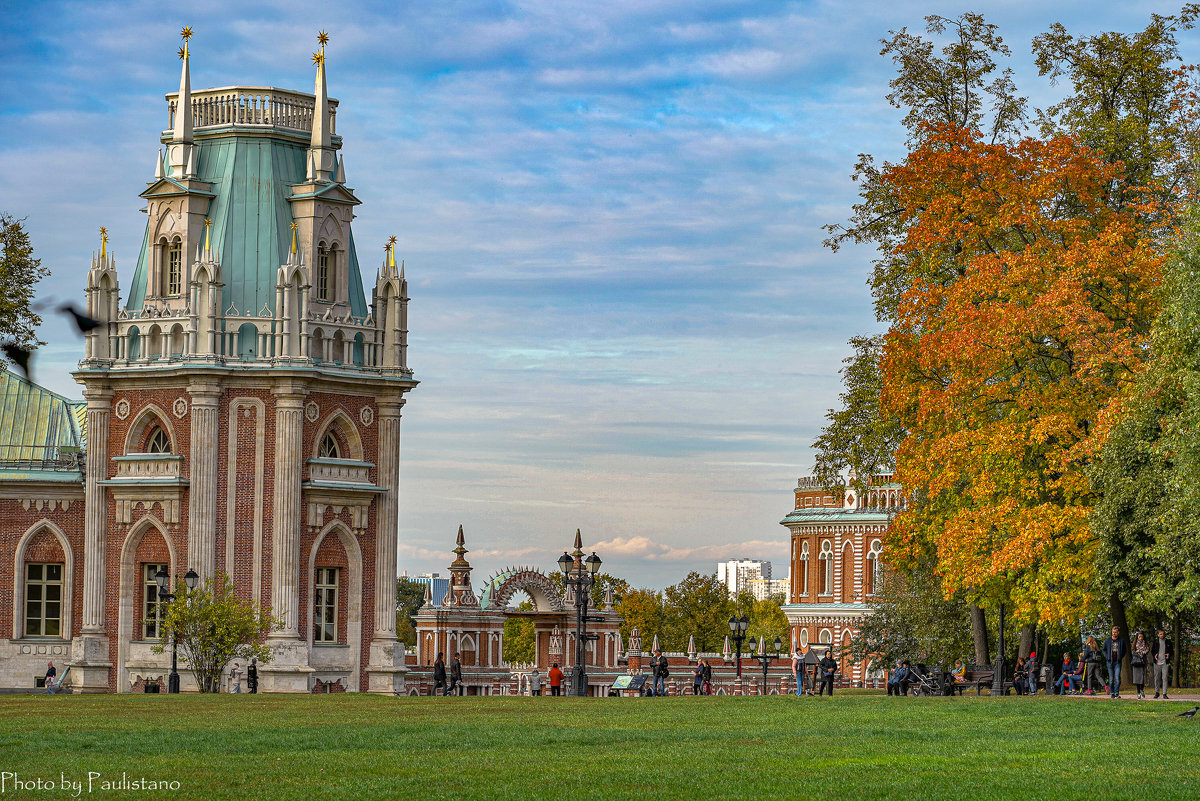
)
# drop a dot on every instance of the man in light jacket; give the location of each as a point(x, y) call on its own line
point(1161, 653)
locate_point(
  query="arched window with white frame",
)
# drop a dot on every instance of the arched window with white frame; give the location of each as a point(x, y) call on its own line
point(873, 568)
point(826, 560)
point(804, 553)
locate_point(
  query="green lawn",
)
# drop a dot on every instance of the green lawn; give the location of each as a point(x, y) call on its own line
point(768, 749)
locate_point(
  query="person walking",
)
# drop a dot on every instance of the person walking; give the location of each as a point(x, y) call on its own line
point(235, 678)
point(455, 687)
point(660, 671)
point(707, 677)
point(535, 683)
point(798, 672)
point(1139, 663)
point(1160, 656)
point(698, 677)
point(1115, 648)
point(252, 676)
point(50, 681)
point(439, 673)
point(1092, 657)
point(1031, 667)
point(556, 679)
point(828, 668)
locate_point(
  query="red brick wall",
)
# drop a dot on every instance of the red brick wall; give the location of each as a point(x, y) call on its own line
point(15, 520)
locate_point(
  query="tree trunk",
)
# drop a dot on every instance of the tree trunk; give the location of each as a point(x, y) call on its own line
point(979, 633)
point(1026, 643)
point(1117, 608)
point(1176, 668)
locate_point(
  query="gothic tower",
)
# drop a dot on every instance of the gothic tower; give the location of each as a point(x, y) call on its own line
point(243, 404)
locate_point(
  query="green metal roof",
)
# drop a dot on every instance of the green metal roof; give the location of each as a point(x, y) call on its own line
point(819, 515)
point(42, 434)
point(252, 178)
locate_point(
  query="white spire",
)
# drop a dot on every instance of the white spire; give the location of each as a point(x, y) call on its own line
point(158, 165)
point(180, 150)
point(320, 146)
point(340, 176)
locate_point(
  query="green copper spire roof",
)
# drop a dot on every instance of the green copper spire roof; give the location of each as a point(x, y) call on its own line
point(252, 178)
point(42, 434)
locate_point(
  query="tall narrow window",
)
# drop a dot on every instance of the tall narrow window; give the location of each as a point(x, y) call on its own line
point(826, 559)
point(325, 614)
point(804, 569)
point(873, 567)
point(329, 448)
point(152, 610)
point(324, 274)
point(43, 599)
point(158, 441)
point(175, 269)
point(847, 574)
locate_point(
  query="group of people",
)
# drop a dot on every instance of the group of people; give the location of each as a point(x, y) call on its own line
point(1148, 658)
point(824, 672)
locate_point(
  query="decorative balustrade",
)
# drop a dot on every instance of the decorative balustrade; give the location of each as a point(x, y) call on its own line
point(258, 106)
point(142, 466)
point(339, 471)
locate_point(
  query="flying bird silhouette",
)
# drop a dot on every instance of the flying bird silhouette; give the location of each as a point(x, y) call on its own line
point(1191, 713)
point(18, 355)
point(82, 321)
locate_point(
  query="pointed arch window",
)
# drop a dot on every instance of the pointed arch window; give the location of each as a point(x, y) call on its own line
point(174, 282)
point(325, 613)
point(324, 285)
point(330, 448)
point(873, 568)
point(803, 568)
point(826, 559)
point(158, 441)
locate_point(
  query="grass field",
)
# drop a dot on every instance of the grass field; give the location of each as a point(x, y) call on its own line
point(361, 746)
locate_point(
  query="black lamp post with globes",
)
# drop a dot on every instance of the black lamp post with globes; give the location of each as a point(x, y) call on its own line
point(580, 575)
point(163, 579)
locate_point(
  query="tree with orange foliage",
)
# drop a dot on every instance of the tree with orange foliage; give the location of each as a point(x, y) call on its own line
point(1028, 303)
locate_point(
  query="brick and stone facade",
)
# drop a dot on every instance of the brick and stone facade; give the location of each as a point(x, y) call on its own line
point(242, 413)
point(836, 546)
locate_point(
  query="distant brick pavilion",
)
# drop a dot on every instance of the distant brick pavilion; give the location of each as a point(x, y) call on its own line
point(836, 547)
point(242, 416)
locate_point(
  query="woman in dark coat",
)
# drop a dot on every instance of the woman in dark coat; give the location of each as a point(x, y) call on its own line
point(439, 673)
point(1139, 659)
point(827, 667)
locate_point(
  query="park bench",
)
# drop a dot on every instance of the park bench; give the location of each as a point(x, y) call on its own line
point(979, 677)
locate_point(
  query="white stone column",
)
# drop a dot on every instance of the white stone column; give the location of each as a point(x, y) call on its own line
point(288, 670)
point(285, 547)
point(385, 668)
point(202, 493)
point(89, 650)
point(95, 527)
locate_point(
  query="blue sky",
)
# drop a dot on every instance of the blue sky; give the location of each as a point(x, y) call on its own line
point(622, 315)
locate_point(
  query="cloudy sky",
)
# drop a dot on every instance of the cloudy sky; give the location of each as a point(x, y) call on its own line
point(622, 315)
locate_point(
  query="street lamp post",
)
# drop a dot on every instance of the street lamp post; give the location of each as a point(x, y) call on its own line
point(737, 630)
point(580, 574)
point(998, 672)
point(764, 658)
point(163, 579)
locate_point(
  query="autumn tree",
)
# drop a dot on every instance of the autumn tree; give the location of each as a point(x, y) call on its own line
point(520, 637)
point(766, 618)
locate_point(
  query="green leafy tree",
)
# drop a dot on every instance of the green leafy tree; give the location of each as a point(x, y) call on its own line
point(698, 606)
point(767, 620)
point(19, 275)
point(410, 596)
point(213, 627)
point(641, 609)
point(909, 619)
point(520, 637)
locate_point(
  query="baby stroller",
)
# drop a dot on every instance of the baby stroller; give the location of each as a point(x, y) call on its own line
point(921, 682)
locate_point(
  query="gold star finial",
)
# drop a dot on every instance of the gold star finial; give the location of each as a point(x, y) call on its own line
point(392, 240)
point(103, 241)
point(207, 223)
point(318, 58)
point(323, 38)
point(182, 53)
point(294, 227)
point(186, 33)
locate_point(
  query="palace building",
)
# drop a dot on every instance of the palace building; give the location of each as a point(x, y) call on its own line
point(836, 546)
point(241, 417)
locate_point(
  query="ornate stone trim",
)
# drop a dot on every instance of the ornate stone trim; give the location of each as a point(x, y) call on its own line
point(312, 411)
point(121, 410)
point(367, 415)
point(180, 408)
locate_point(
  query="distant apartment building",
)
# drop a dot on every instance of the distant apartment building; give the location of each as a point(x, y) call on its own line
point(438, 585)
point(762, 589)
point(738, 574)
